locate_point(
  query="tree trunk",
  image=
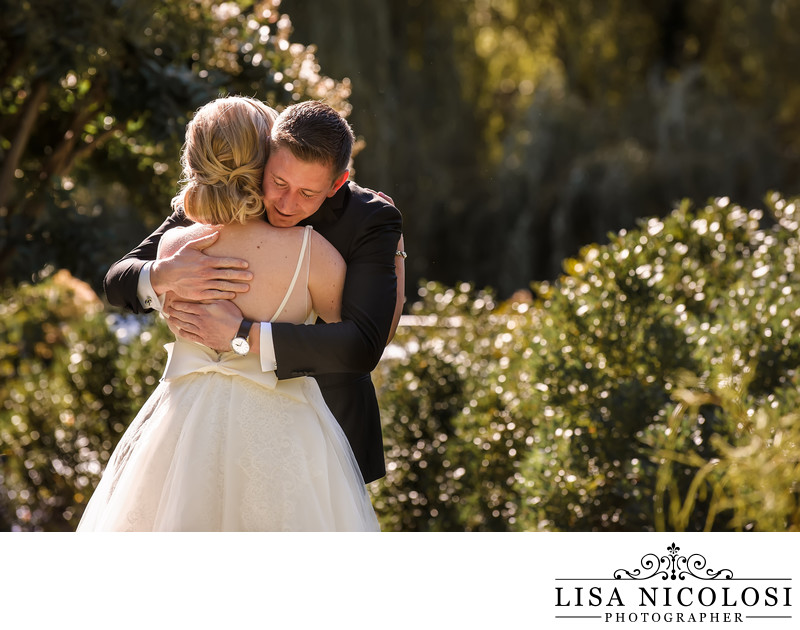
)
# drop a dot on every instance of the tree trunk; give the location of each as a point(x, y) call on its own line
point(39, 93)
point(65, 154)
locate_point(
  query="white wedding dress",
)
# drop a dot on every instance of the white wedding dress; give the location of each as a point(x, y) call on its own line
point(223, 446)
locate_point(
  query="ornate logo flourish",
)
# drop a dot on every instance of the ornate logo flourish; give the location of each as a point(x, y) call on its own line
point(673, 567)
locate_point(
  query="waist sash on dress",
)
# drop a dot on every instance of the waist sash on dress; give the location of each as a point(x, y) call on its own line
point(186, 357)
point(191, 358)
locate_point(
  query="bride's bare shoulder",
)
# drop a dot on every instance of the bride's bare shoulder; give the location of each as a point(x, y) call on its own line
point(177, 237)
point(254, 233)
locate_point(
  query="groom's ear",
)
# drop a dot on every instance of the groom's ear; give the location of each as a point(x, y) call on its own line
point(338, 183)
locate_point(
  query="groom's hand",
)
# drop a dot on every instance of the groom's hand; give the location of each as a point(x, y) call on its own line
point(214, 324)
point(192, 274)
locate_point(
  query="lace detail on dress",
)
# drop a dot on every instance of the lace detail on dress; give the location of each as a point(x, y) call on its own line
point(270, 463)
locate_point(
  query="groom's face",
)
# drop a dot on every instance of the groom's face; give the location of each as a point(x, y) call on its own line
point(295, 189)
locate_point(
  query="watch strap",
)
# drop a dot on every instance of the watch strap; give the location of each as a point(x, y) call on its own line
point(244, 329)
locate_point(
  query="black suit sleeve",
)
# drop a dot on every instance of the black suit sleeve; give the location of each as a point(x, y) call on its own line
point(370, 293)
point(122, 280)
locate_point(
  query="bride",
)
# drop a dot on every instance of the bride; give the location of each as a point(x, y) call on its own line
point(222, 445)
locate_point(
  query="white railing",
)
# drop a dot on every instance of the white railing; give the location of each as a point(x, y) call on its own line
point(426, 321)
point(396, 351)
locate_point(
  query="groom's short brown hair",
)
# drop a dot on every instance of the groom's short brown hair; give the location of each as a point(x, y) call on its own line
point(314, 132)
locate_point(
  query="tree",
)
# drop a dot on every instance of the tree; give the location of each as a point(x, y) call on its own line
point(513, 132)
point(94, 99)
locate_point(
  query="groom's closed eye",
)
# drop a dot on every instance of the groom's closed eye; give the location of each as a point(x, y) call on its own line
point(305, 193)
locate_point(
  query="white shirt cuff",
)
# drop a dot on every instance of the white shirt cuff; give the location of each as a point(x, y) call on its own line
point(267, 349)
point(144, 291)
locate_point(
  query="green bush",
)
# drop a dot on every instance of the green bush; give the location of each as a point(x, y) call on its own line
point(69, 389)
point(558, 414)
point(442, 407)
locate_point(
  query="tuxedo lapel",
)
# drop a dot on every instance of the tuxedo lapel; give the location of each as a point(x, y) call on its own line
point(330, 211)
point(328, 220)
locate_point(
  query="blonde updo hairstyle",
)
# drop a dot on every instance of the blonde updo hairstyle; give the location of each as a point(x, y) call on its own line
point(223, 160)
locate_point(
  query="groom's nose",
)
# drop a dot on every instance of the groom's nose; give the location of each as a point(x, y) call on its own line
point(288, 202)
point(278, 199)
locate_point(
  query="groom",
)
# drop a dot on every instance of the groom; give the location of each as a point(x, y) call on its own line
point(305, 183)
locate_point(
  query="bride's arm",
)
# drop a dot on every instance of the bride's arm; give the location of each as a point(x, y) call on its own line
point(369, 304)
point(326, 279)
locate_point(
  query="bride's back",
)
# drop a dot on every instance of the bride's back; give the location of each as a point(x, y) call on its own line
point(275, 256)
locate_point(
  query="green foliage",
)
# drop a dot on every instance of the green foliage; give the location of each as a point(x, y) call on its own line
point(69, 389)
point(560, 414)
point(750, 482)
point(568, 120)
point(686, 294)
point(609, 53)
point(432, 479)
point(94, 98)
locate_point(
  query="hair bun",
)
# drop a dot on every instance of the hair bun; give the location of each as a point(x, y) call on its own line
point(241, 174)
point(224, 158)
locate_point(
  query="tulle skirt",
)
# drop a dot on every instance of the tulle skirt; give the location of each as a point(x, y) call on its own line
point(211, 451)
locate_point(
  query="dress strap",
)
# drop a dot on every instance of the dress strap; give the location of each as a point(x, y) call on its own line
point(301, 258)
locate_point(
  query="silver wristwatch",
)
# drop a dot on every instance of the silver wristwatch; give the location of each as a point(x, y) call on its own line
point(240, 344)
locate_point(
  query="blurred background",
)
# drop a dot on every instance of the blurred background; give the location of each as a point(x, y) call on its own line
point(598, 211)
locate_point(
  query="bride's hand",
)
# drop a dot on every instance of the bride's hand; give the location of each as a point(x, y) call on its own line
point(382, 195)
point(194, 275)
point(213, 324)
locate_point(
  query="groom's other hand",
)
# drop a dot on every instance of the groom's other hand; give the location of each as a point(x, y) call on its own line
point(192, 274)
point(213, 324)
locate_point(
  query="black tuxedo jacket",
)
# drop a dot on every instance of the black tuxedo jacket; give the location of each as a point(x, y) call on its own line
point(365, 229)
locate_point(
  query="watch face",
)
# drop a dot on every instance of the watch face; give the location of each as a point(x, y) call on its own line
point(240, 345)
